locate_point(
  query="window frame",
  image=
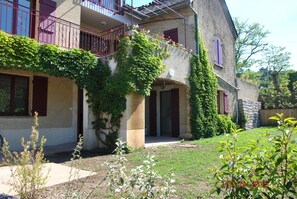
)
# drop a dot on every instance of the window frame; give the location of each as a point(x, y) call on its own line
point(12, 96)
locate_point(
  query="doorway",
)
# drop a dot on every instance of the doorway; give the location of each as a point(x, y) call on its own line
point(80, 111)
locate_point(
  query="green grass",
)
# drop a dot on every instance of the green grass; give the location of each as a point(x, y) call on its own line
point(191, 165)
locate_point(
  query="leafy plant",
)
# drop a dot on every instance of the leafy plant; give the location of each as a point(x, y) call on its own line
point(28, 177)
point(140, 182)
point(259, 172)
point(203, 88)
point(224, 125)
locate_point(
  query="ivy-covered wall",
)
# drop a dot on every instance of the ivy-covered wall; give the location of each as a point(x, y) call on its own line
point(203, 89)
point(139, 62)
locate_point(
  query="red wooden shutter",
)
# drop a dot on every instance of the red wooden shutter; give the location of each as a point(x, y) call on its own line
point(226, 103)
point(218, 102)
point(39, 95)
point(47, 22)
point(153, 113)
point(172, 34)
point(175, 112)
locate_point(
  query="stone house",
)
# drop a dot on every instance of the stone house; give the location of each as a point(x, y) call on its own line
point(96, 26)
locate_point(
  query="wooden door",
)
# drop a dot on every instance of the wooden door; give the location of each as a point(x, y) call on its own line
point(153, 113)
point(175, 112)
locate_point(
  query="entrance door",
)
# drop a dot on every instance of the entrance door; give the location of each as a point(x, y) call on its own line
point(153, 113)
point(165, 99)
point(80, 102)
point(170, 113)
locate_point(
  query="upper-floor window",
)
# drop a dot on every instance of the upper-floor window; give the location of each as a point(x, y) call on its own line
point(15, 17)
point(218, 51)
point(171, 34)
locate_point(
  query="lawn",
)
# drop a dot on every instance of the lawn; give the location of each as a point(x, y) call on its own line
point(189, 161)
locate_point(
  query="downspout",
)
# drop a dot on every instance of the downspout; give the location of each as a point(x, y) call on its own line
point(196, 27)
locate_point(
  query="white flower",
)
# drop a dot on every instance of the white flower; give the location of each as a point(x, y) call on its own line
point(221, 156)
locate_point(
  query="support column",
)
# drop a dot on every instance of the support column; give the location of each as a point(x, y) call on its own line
point(135, 118)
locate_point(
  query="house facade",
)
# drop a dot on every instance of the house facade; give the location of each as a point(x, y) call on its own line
point(96, 26)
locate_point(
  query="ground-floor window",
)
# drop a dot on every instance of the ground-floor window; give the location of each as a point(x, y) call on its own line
point(13, 95)
point(222, 102)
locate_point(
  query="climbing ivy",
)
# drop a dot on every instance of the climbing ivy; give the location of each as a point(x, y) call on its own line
point(203, 88)
point(139, 62)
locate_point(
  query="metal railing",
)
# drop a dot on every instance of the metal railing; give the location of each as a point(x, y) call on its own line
point(20, 20)
point(113, 6)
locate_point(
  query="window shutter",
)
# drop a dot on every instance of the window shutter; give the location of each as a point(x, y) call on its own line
point(47, 22)
point(40, 95)
point(226, 103)
point(172, 34)
point(215, 48)
point(220, 52)
point(218, 102)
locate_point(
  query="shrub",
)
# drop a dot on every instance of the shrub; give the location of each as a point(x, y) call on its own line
point(28, 180)
point(224, 125)
point(260, 172)
point(141, 182)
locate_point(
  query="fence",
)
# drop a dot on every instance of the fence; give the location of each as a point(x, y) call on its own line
point(266, 114)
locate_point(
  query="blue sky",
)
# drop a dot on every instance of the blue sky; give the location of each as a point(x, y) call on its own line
point(279, 17)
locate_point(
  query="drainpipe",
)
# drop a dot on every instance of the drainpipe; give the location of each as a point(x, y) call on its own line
point(196, 27)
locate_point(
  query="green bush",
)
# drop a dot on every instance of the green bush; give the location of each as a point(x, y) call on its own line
point(260, 171)
point(224, 125)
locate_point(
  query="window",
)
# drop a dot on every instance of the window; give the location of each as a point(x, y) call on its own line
point(13, 95)
point(222, 102)
point(15, 17)
point(218, 51)
point(171, 34)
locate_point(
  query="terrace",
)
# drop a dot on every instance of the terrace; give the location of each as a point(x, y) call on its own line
point(20, 19)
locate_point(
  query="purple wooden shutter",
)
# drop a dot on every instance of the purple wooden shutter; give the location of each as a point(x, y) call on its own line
point(226, 103)
point(215, 48)
point(40, 95)
point(47, 22)
point(220, 52)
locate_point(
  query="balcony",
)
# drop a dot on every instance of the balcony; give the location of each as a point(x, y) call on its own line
point(106, 7)
point(46, 29)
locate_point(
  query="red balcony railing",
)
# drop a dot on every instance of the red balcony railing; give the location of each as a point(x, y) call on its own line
point(21, 20)
point(111, 5)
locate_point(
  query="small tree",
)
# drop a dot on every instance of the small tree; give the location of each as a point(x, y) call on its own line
point(28, 177)
point(250, 42)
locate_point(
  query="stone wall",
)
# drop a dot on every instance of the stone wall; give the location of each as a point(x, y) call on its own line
point(250, 110)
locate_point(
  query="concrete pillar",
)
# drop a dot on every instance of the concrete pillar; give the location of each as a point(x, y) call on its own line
point(135, 118)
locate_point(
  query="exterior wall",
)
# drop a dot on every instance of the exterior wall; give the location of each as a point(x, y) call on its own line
point(213, 23)
point(59, 126)
point(247, 91)
point(159, 24)
point(250, 110)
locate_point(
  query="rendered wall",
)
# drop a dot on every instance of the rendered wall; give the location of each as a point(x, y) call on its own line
point(59, 126)
point(247, 91)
